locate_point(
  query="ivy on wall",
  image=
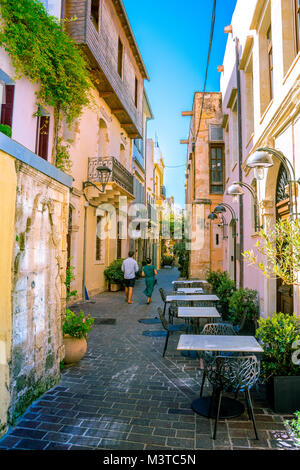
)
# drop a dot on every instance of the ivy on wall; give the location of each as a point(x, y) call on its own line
point(42, 52)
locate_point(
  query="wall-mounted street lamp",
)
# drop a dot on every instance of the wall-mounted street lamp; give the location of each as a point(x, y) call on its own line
point(103, 175)
point(262, 159)
point(236, 190)
point(219, 210)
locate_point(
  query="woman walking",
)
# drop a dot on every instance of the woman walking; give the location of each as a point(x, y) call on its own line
point(149, 272)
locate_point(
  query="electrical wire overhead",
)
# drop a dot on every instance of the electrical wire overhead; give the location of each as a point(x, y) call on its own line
point(207, 64)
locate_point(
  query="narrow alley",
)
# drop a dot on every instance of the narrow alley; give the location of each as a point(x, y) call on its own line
point(124, 396)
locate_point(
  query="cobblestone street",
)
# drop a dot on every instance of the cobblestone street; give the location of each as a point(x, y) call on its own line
point(124, 395)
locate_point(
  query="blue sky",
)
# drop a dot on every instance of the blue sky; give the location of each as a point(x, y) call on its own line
point(173, 38)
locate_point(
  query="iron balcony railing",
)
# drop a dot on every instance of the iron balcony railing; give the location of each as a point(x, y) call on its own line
point(118, 175)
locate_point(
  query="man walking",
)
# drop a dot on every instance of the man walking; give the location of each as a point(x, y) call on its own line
point(129, 268)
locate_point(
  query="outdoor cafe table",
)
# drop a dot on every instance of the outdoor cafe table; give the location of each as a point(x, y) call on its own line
point(189, 281)
point(192, 298)
point(211, 313)
point(219, 343)
point(190, 290)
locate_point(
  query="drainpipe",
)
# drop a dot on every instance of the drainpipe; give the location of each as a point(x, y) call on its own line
point(86, 205)
point(240, 149)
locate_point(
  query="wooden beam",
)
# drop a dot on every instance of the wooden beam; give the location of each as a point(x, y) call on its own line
point(126, 124)
point(187, 113)
point(184, 141)
point(117, 111)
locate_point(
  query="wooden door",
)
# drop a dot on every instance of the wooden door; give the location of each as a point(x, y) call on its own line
point(285, 301)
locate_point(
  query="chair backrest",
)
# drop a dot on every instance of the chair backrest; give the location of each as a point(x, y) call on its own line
point(162, 318)
point(218, 329)
point(242, 322)
point(162, 294)
point(233, 373)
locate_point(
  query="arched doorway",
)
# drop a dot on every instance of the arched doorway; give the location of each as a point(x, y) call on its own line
point(285, 303)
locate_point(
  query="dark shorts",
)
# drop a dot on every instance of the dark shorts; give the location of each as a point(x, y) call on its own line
point(129, 282)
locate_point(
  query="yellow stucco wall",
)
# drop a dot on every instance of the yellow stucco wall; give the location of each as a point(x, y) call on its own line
point(8, 185)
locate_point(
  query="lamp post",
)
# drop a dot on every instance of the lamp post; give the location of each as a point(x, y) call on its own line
point(262, 159)
point(219, 210)
point(236, 190)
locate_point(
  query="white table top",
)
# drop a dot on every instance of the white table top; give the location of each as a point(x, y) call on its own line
point(198, 312)
point(219, 343)
point(187, 281)
point(190, 290)
point(192, 297)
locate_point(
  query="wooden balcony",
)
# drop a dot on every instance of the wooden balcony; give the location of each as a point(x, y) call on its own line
point(119, 175)
point(110, 85)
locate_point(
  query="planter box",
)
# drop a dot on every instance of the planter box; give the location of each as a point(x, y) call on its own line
point(114, 287)
point(283, 393)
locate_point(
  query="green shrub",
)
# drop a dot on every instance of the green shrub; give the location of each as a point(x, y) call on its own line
point(167, 260)
point(5, 129)
point(294, 425)
point(277, 335)
point(77, 325)
point(223, 286)
point(114, 273)
point(214, 278)
point(243, 301)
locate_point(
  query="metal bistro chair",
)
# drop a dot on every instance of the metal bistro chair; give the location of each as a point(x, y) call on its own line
point(172, 309)
point(169, 328)
point(232, 375)
point(224, 329)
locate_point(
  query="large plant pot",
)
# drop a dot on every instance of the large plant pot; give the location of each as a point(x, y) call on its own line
point(75, 349)
point(115, 287)
point(283, 393)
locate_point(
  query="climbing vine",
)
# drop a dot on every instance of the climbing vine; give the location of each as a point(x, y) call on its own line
point(42, 52)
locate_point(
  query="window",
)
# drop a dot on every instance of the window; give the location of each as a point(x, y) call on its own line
point(270, 60)
point(136, 86)
point(42, 139)
point(216, 169)
point(98, 239)
point(297, 17)
point(95, 6)
point(7, 105)
point(120, 58)
point(216, 133)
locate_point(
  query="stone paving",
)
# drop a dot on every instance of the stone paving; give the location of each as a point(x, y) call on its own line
point(124, 396)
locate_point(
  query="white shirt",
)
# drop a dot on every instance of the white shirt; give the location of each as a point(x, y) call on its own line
point(129, 268)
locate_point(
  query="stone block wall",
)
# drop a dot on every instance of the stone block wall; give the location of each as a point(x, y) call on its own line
point(38, 290)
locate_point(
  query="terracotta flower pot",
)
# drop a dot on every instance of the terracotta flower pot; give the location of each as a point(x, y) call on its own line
point(75, 349)
point(115, 287)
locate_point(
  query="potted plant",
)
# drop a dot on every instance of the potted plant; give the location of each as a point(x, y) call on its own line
point(167, 260)
point(115, 275)
point(75, 334)
point(243, 304)
point(279, 336)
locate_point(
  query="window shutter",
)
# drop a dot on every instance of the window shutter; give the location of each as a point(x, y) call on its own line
point(43, 136)
point(7, 107)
